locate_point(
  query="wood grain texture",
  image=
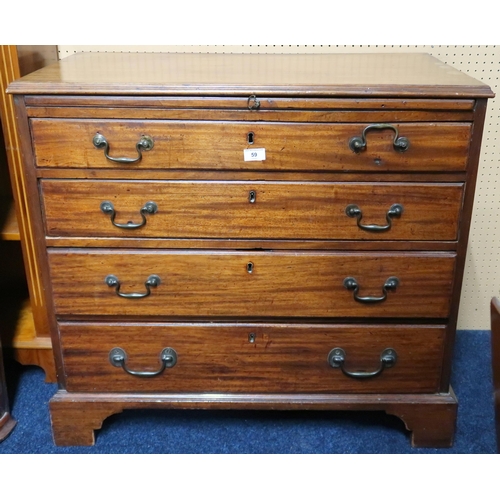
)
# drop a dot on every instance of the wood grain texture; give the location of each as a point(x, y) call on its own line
point(220, 145)
point(314, 211)
point(225, 244)
point(14, 62)
point(34, 57)
point(224, 113)
point(283, 358)
point(465, 226)
point(35, 216)
point(296, 236)
point(432, 423)
point(430, 417)
point(95, 104)
point(283, 284)
point(244, 175)
point(361, 75)
point(9, 71)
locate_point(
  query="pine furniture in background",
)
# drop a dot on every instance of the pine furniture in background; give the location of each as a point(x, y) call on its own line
point(23, 325)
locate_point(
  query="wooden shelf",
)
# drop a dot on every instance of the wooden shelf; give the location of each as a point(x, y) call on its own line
point(9, 229)
point(24, 331)
point(22, 328)
point(20, 340)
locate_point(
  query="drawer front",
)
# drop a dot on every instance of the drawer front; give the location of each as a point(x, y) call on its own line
point(251, 284)
point(251, 358)
point(221, 145)
point(252, 210)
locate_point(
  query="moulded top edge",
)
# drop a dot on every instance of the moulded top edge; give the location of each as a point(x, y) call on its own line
point(409, 91)
point(388, 75)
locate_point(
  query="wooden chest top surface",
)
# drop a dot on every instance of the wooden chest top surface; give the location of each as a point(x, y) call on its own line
point(413, 75)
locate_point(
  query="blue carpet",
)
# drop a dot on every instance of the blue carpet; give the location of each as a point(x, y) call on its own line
point(260, 432)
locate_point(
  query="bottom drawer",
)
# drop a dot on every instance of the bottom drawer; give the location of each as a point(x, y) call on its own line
point(251, 358)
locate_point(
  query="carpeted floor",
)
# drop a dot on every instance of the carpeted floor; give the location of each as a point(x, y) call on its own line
point(251, 432)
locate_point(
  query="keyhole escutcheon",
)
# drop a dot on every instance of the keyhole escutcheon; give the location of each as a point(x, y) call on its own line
point(250, 267)
point(250, 138)
point(252, 196)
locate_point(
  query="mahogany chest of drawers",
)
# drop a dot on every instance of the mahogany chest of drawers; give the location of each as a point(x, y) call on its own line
point(252, 231)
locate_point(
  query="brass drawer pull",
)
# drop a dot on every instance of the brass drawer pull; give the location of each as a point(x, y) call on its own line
point(390, 284)
point(118, 358)
point(354, 211)
point(336, 359)
point(358, 144)
point(149, 208)
point(145, 143)
point(152, 281)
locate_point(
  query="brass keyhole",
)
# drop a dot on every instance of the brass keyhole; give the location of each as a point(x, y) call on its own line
point(252, 196)
point(251, 338)
point(250, 267)
point(250, 138)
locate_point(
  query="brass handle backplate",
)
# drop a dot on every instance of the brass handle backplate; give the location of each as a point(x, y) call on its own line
point(145, 143)
point(149, 208)
point(336, 359)
point(354, 211)
point(152, 281)
point(358, 144)
point(352, 284)
point(118, 358)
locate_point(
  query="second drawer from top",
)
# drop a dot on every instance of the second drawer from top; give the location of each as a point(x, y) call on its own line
point(252, 210)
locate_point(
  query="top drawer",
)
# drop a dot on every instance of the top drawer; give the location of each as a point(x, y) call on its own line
point(220, 145)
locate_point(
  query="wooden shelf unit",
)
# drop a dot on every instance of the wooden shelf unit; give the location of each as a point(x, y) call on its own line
point(10, 228)
point(23, 321)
